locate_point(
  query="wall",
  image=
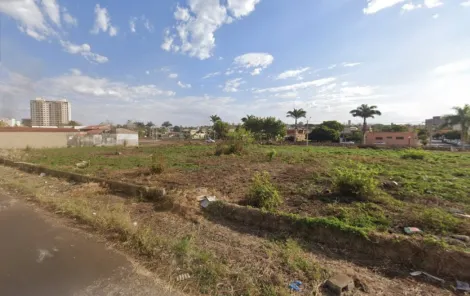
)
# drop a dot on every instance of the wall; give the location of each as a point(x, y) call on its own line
point(129, 139)
point(104, 140)
point(20, 140)
point(410, 139)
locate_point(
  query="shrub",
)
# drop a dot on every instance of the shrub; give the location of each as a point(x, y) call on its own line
point(272, 154)
point(28, 148)
point(358, 181)
point(364, 215)
point(263, 194)
point(236, 142)
point(414, 154)
point(158, 164)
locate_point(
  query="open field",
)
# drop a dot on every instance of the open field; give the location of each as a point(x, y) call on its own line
point(413, 188)
point(221, 259)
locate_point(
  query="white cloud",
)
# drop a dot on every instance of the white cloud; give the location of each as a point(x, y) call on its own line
point(173, 75)
point(83, 50)
point(292, 73)
point(103, 22)
point(465, 3)
point(354, 91)
point(30, 19)
point(432, 3)
point(435, 16)
point(147, 72)
point(410, 6)
point(142, 20)
point(132, 24)
point(182, 85)
point(68, 18)
point(297, 86)
point(287, 95)
point(75, 71)
point(257, 61)
point(241, 8)
point(53, 11)
point(194, 32)
point(374, 6)
point(232, 85)
point(211, 75)
point(350, 65)
point(453, 68)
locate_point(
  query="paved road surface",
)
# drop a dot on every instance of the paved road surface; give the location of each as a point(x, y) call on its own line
point(40, 257)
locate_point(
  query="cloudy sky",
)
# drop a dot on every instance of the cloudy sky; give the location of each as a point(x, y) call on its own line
point(185, 60)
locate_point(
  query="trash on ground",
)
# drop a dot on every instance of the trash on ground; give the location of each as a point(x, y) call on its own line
point(456, 211)
point(455, 242)
point(42, 175)
point(206, 200)
point(295, 286)
point(464, 238)
point(135, 223)
point(463, 286)
point(183, 277)
point(82, 164)
point(412, 230)
point(340, 283)
point(417, 273)
point(462, 215)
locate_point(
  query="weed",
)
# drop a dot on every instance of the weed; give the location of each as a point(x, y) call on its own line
point(364, 215)
point(358, 181)
point(271, 154)
point(414, 154)
point(182, 247)
point(263, 194)
point(28, 148)
point(292, 257)
point(434, 219)
point(158, 164)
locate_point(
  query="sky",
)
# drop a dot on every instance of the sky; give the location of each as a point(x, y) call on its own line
point(183, 61)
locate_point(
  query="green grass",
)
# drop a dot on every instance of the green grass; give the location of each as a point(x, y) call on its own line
point(429, 182)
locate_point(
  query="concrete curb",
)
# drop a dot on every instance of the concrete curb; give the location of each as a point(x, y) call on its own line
point(149, 193)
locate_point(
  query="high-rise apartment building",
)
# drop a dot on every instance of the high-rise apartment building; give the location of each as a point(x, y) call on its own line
point(50, 113)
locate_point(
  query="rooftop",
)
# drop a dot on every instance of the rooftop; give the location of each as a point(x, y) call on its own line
point(37, 130)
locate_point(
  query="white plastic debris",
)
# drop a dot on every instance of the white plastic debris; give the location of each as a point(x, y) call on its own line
point(183, 277)
point(207, 200)
point(42, 175)
point(135, 224)
point(463, 286)
point(416, 273)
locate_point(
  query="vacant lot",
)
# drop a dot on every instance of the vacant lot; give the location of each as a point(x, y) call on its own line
point(414, 188)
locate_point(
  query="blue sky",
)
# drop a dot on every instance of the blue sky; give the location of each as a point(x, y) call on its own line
point(185, 60)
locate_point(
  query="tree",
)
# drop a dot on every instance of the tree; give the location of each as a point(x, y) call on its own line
point(390, 128)
point(334, 125)
point(324, 134)
point(222, 129)
point(248, 117)
point(215, 118)
point(177, 129)
point(462, 118)
point(423, 136)
point(453, 135)
point(365, 111)
point(167, 124)
point(74, 123)
point(149, 124)
point(355, 137)
point(296, 114)
point(265, 128)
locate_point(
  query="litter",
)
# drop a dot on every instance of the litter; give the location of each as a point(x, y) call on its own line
point(183, 277)
point(464, 238)
point(82, 164)
point(135, 223)
point(463, 286)
point(42, 175)
point(412, 230)
point(206, 200)
point(462, 215)
point(295, 286)
point(416, 273)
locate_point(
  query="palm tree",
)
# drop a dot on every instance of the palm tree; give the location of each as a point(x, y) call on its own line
point(215, 118)
point(365, 111)
point(248, 117)
point(462, 118)
point(296, 114)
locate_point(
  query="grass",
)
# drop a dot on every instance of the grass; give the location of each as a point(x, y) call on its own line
point(320, 182)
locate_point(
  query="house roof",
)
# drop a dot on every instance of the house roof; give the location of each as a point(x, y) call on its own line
point(96, 127)
point(37, 130)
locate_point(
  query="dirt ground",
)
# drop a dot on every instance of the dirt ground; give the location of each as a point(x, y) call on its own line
point(249, 255)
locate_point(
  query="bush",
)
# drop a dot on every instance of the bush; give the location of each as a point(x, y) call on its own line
point(271, 154)
point(358, 181)
point(158, 164)
point(263, 194)
point(236, 142)
point(414, 154)
point(364, 215)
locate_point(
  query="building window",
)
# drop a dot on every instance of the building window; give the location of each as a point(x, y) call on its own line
point(400, 138)
point(389, 137)
point(379, 138)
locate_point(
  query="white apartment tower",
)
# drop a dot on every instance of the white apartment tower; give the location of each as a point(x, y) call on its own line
point(50, 113)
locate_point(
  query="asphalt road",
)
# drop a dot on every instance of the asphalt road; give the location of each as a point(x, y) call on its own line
point(39, 256)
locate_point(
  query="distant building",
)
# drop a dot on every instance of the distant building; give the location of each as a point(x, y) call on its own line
point(434, 123)
point(392, 139)
point(10, 122)
point(22, 137)
point(50, 113)
point(26, 122)
point(300, 134)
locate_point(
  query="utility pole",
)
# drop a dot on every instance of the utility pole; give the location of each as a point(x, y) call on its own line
point(307, 130)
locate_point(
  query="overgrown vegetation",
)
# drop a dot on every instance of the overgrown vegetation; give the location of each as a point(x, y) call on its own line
point(414, 154)
point(356, 180)
point(263, 194)
point(157, 163)
point(236, 142)
point(271, 154)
